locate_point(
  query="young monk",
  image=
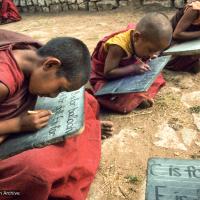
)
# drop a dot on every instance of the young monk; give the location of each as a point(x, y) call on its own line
point(186, 26)
point(8, 12)
point(27, 70)
point(119, 54)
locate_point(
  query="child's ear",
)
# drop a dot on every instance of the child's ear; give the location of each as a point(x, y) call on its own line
point(136, 36)
point(51, 62)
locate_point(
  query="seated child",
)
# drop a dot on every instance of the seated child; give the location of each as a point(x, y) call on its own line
point(27, 70)
point(186, 26)
point(117, 55)
point(8, 12)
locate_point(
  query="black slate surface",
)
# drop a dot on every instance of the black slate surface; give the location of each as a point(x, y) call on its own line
point(67, 120)
point(135, 83)
point(173, 179)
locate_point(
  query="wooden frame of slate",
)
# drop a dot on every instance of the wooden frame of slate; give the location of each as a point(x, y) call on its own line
point(67, 120)
point(135, 83)
point(191, 47)
point(173, 179)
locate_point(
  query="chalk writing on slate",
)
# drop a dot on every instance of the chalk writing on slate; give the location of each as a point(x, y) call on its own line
point(135, 83)
point(185, 48)
point(172, 179)
point(67, 120)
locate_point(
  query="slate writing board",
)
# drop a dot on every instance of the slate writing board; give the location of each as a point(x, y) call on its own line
point(173, 179)
point(135, 83)
point(67, 120)
point(191, 47)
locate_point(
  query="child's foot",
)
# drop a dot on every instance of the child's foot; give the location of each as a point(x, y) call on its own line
point(106, 129)
point(147, 103)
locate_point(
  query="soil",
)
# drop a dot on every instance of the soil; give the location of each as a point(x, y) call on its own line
point(138, 135)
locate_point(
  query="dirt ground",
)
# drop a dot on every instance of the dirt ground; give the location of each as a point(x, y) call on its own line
point(169, 129)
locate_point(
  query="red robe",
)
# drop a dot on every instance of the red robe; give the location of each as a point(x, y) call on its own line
point(122, 103)
point(9, 12)
point(61, 171)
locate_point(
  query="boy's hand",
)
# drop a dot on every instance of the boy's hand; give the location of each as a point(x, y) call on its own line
point(141, 68)
point(33, 122)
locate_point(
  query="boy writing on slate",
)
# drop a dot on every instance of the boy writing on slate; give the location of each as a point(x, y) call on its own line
point(125, 53)
point(28, 70)
point(186, 26)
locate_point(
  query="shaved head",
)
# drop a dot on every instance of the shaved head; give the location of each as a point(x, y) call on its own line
point(155, 27)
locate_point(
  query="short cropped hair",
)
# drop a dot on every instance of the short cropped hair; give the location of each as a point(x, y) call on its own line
point(155, 26)
point(73, 55)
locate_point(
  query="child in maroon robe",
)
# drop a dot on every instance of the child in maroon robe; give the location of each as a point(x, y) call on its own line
point(120, 54)
point(186, 26)
point(28, 69)
point(8, 12)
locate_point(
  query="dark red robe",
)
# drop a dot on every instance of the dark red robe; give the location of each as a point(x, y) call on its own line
point(9, 12)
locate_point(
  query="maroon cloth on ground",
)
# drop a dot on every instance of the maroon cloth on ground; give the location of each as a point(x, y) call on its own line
point(9, 12)
point(122, 103)
point(61, 171)
point(182, 63)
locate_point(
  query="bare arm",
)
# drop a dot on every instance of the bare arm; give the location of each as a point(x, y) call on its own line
point(187, 19)
point(23, 122)
point(112, 69)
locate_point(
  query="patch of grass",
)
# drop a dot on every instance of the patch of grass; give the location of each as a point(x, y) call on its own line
point(132, 179)
point(195, 109)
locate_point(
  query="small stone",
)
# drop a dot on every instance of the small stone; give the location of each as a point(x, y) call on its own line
point(168, 138)
point(176, 153)
point(23, 3)
point(55, 8)
point(73, 7)
point(191, 99)
point(197, 143)
point(45, 9)
point(42, 3)
point(55, 1)
point(35, 2)
point(65, 7)
point(48, 2)
point(188, 135)
point(71, 1)
point(123, 3)
point(24, 9)
point(196, 117)
point(92, 6)
point(63, 1)
point(31, 9)
point(106, 5)
point(83, 6)
point(38, 9)
point(29, 3)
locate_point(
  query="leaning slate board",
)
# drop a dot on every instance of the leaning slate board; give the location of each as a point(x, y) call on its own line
point(185, 48)
point(67, 120)
point(173, 179)
point(135, 83)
